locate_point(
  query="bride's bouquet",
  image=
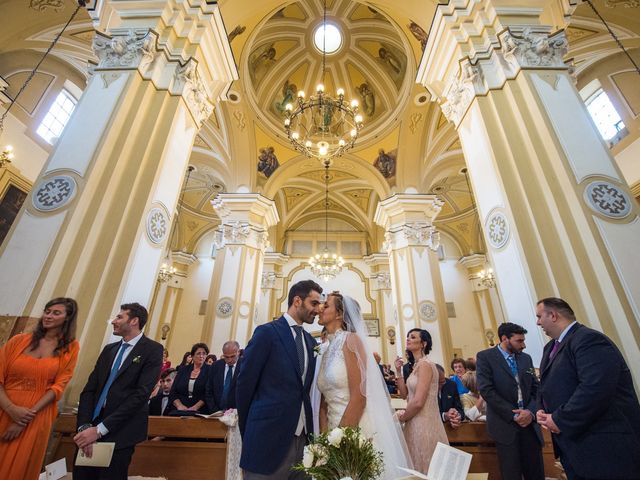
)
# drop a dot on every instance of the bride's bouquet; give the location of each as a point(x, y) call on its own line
point(342, 453)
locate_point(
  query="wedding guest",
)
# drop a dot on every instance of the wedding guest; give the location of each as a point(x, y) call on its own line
point(459, 367)
point(166, 363)
point(449, 400)
point(34, 370)
point(423, 427)
point(158, 403)
point(114, 404)
point(211, 359)
point(508, 384)
point(587, 399)
point(470, 363)
point(187, 359)
point(220, 393)
point(475, 408)
point(189, 387)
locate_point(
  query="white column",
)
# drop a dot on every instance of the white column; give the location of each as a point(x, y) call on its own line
point(98, 217)
point(418, 296)
point(558, 217)
point(232, 308)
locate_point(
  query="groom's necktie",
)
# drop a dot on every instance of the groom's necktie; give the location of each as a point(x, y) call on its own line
point(299, 347)
point(514, 370)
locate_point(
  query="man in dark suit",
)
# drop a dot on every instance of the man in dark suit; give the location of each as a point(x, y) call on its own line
point(272, 391)
point(587, 399)
point(158, 403)
point(221, 385)
point(449, 400)
point(507, 381)
point(114, 403)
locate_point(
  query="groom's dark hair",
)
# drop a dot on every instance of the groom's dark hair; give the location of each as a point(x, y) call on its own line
point(303, 289)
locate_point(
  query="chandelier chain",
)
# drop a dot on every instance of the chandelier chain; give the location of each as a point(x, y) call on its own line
point(614, 36)
point(35, 70)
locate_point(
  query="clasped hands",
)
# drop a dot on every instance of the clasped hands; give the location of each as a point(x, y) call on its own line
point(545, 420)
point(522, 417)
point(21, 417)
point(85, 440)
point(453, 417)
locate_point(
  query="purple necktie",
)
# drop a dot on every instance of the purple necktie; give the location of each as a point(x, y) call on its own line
point(554, 350)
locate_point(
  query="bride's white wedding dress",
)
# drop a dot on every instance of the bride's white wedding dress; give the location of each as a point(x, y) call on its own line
point(377, 421)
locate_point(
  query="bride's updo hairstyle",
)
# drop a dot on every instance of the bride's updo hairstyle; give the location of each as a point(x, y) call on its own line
point(425, 337)
point(347, 323)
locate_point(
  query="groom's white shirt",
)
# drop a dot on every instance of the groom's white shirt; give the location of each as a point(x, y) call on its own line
point(292, 323)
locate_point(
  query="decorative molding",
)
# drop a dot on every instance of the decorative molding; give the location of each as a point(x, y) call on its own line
point(497, 229)
point(268, 280)
point(624, 3)
point(462, 91)
point(607, 199)
point(54, 193)
point(224, 308)
point(383, 280)
point(157, 224)
point(125, 52)
point(535, 49)
point(183, 258)
point(428, 311)
point(41, 5)
point(190, 83)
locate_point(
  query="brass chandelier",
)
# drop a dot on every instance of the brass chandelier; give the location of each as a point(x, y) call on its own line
point(326, 265)
point(323, 127)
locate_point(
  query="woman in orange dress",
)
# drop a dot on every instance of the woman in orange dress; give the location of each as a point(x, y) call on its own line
point(34, 370)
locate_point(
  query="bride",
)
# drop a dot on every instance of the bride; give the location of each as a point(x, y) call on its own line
point(352, 387)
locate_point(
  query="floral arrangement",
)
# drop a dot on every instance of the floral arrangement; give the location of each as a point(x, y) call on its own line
point(342, 453)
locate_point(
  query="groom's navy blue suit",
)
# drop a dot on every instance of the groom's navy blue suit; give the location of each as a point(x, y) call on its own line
point(269, 395)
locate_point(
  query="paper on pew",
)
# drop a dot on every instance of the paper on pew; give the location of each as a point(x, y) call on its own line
point(447, 463)
point(55, 470)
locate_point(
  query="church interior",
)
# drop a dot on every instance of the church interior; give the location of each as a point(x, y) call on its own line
point(498, 163)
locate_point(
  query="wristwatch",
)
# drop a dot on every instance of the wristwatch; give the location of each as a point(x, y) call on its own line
point(82, 428)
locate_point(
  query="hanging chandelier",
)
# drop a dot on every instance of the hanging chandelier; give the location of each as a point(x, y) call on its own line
point(167, 270)
point(326, 265)
point(323, 127)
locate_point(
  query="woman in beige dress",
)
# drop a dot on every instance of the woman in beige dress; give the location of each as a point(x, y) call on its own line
point(423, 427)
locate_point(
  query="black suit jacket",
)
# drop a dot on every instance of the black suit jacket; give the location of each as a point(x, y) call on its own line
point(215, 386)
point(180, 388)
point(155, 404)
point(499, 388)
point(450, 398)
point(127, 409)
point(589, 391)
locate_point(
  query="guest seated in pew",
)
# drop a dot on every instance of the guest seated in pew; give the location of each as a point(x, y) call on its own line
point(449, 400)
point(159, 403)
point(475, 408)
point(188, 391)
point(187, 359)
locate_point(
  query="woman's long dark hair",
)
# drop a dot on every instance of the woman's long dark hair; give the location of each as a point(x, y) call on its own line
point(425, 337)
point(68, 332)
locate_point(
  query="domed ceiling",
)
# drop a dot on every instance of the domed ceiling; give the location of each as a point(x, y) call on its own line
point(371, 63)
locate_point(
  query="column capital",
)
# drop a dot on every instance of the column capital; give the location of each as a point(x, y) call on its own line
point(246, 217)
point(473, 263)
point(477, 45)
point(179, 45)
point(275, 259)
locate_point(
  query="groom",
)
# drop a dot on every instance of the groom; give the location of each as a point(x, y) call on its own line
point(272, 391)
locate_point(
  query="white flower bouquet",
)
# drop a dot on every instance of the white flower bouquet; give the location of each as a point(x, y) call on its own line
point(342, 453)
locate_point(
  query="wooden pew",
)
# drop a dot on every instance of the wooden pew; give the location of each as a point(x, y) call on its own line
point(195, 448)
point(473, 438)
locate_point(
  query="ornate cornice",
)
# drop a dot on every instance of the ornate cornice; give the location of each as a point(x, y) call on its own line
point(489, 70)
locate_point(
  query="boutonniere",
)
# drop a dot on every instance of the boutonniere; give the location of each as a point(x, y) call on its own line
point(136, 359)
point(316, 351)
point(531, 371)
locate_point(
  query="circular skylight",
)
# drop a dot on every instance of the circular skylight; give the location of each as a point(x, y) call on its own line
point(327, 38)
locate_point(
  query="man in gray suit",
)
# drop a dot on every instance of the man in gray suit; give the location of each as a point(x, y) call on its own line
point(508, 383)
